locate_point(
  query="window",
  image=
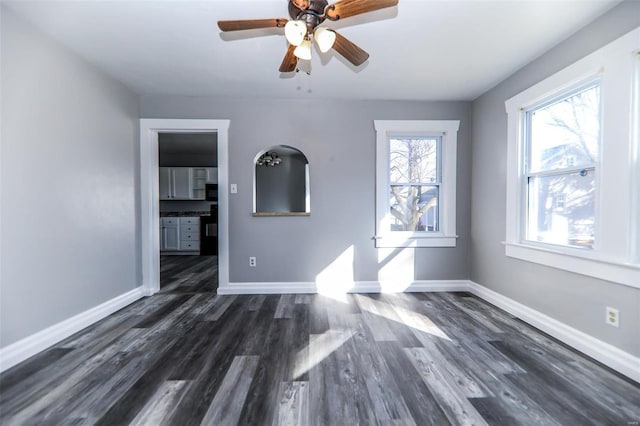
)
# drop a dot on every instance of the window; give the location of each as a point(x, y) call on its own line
point(562, 148)
point(572, 167)
point(416, 182)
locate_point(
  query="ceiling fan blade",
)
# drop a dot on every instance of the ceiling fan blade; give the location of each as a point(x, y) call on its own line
point(346, 8)
point(251, 24)
point(290, 61)
point(350, 51)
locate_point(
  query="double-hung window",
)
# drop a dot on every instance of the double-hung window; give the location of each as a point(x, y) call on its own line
point(573, 160)
point(562, 149)
point(416, 183)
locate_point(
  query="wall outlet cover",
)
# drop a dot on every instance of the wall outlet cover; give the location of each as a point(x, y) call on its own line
point(613, 317)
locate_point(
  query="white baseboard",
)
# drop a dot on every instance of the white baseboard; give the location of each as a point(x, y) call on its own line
point(609, 355)
point(267, 288)
point(31, 345)
point(354, 287)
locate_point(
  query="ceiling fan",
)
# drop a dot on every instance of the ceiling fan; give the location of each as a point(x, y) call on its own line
point(306, 16)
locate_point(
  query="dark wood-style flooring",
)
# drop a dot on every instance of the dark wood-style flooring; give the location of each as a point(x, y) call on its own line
point(190, 357)
point(188, 274)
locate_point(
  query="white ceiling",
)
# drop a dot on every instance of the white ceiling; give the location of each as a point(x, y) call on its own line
point(420, 50)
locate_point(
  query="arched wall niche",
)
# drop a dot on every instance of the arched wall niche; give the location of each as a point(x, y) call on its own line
point(281, 182)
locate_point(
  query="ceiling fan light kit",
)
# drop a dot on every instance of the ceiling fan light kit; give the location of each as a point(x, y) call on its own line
point(304, 50)
point(325, 39)
point(295, 31)
point(306, 16)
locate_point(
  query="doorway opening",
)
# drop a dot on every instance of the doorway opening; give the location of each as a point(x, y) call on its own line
point(188, 181)
point(183, 186)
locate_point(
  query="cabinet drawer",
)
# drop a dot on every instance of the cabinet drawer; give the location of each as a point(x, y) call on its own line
point(189, 236)
point(185, 229)
point(189, 221)
point(190, 245)
point(169, 221)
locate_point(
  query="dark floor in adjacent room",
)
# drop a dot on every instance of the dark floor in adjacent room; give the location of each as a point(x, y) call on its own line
point(188, 274)
point(186, 357)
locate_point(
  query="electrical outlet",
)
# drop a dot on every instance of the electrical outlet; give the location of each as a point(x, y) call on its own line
point(613, 317)
point(252, 262)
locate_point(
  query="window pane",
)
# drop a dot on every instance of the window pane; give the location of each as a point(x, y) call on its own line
point(566, 133)
point(562, 209)
point(414, 208)
point(413, 160)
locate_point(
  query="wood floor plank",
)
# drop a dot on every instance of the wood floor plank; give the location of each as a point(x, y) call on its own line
point(567, 398)
point(458, 409)
point(125, 408)
point(219, 309)
point(277, 363)
point(256, 302)
point(387, 402)
point(293, 404)
point(227, 405)
point(377, 317)
point(304, 299)
point(161, 405)
point(423, 406)
point(285, 306)
point(215, 362)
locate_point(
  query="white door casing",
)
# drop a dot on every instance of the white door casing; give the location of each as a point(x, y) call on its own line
point(149, 194)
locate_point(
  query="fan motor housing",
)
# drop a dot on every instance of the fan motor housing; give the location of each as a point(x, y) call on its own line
point(313, 15)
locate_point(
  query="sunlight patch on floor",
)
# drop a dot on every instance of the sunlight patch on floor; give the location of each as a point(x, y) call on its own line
point(320, 346)
point(401, 315)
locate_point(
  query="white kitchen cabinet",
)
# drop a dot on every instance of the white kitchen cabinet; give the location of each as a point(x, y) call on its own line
point(189, 233)
point(199, 178)
point(166, 187)
point(175, 183)
point(181, 183)
point(169, 234)
point(185, 183)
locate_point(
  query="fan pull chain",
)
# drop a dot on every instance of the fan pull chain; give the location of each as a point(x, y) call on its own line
point(306, 69)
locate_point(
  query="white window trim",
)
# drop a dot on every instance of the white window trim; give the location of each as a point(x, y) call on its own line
point(446, 237)
point(615, 257)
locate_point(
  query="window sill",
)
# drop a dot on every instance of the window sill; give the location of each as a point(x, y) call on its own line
point(393, 241)
point(618, 272)
point(279, 214)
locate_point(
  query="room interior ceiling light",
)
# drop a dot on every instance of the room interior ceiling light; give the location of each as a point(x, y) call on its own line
point(306, 16)
point(325, 38)
point(304, 50)
point(295, 31)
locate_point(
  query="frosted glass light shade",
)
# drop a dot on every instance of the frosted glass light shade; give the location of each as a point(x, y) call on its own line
point(304, 50)
point(295, 31)
point(325, 39)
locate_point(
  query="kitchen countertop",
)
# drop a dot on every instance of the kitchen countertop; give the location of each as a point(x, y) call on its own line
point(185, 214)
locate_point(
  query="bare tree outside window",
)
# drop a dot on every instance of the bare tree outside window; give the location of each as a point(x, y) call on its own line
point(414, 183)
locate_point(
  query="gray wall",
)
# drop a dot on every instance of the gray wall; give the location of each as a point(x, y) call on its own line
point(69, 236)
point(338, 139)
point(576, 300)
